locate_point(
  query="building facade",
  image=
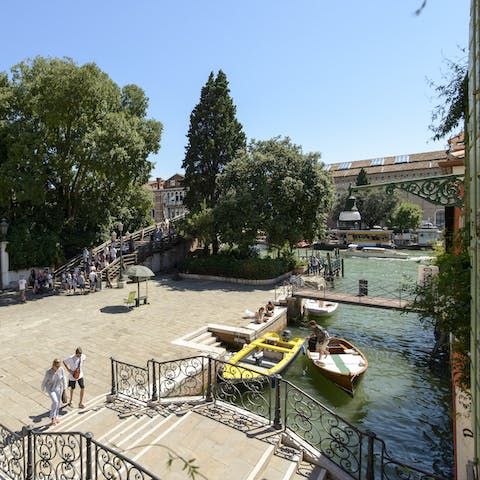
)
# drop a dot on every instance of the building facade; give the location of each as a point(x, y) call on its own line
point(168, 197)
point(394, 169)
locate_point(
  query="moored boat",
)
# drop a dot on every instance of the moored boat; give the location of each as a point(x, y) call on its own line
point(344, 364)
point(320, 308)
point(373, 252)
point(266, 355)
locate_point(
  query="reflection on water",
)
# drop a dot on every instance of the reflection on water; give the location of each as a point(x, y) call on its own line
point(399, 398)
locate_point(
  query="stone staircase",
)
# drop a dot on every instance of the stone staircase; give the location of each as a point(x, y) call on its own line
point(221, 440)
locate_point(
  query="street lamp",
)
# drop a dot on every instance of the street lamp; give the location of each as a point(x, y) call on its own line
point(121, 278)
point(350, 216)
point(3, 253)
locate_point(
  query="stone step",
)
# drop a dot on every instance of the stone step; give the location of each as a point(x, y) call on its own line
point(278, 468)
point(309, 471)
point(206, 338)
point(219, 451)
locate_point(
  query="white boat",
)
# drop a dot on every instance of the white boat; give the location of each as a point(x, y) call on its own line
point(320, 308)
point(375, 252)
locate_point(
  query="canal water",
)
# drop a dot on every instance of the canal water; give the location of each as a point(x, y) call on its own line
point(399, 398)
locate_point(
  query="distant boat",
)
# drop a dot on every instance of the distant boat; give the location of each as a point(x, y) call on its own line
point(266, 355)
point(375, 252)
point(319, 308)
point(343, 365)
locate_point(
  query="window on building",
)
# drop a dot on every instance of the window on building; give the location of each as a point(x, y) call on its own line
point(401, 159)
point(377, 161)
point(344, 166)
point(172, 183)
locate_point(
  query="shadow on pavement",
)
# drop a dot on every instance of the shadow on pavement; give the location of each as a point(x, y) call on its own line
point(116, 309)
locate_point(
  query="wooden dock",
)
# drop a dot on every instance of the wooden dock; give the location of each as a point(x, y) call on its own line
point(362, 300)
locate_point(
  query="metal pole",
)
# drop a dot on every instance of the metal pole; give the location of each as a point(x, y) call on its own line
point(370, 473)
point(30, 460)
point(114, 387)
point(89, 437)
point(277, 422)
point(208, 396)
point(154, 382)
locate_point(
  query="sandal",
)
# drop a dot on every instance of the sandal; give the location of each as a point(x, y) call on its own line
point(81, 405)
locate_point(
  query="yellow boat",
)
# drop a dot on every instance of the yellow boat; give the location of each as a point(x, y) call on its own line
point(266, 355)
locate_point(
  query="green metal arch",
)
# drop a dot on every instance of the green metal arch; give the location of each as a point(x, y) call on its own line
point(445, 190)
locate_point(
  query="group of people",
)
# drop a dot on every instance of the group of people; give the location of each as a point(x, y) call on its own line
point(264, 313)
point(39, 282)
point(57, 381)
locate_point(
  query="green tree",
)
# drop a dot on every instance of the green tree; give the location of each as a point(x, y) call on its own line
point(276, 188)
point(406, 216)
point(445, 302)
point(453, 94)
point(375, 206)
point(74, 151)
point(214, 138)
point(362, 178)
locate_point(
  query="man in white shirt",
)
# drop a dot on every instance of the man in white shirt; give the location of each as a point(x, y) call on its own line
point(74, 366)
point(22, 287)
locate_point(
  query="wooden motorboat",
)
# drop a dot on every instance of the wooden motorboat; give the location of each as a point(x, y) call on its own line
point(266, 355)
point(344, 364)
point(373, 252)
point(320, 308)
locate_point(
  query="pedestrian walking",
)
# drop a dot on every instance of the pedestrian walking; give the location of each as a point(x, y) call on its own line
point(22, 287)
point(74, 366)
point(54, 383)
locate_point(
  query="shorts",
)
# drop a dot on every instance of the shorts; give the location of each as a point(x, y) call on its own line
point(81, 383)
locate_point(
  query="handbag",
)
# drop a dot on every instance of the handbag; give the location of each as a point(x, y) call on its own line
point(64, 396)
point(76, 372)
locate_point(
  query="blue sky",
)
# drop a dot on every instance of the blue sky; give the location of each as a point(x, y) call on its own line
point(346, 78)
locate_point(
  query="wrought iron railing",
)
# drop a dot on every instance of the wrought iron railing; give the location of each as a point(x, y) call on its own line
point(273, 399)
point(63, 456)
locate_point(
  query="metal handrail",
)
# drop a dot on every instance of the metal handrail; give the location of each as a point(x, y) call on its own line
point(362, 455)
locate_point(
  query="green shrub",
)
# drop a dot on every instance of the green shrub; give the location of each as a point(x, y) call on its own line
point(224, 265)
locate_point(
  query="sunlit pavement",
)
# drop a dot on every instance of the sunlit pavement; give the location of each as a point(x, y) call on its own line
point(45, 327)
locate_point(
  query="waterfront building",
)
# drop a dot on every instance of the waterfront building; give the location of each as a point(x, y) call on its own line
point(394, 169)
point(168, 197)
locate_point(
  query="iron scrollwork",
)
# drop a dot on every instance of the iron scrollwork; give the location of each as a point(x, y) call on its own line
point(184, 377)
point(11, 454)
point(335, 438)
point(58, 456)
point(132, 381)
point(447, 190)
point(250, 391)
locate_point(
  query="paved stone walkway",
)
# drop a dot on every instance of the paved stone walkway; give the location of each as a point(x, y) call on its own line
point(45, 327)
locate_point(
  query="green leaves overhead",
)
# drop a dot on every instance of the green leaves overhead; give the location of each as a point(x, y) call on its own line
point(275, 188)
point(73, 144)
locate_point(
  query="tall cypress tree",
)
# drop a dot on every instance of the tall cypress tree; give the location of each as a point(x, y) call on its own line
point(214, 137)
point(362, 178)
